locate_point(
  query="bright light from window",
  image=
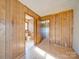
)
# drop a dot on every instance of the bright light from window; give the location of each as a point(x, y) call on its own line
point(41, 52)
point(49, 57)
point(25, 26)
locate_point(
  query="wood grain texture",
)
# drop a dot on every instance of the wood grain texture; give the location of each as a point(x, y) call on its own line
point(52, 38)
point(2, 29)
point(15, 28)
point(61, 28)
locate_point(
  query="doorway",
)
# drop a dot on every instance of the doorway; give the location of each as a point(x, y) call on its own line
point(45, 29)
point(29, 31)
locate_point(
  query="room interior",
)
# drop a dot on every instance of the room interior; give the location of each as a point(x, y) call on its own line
point(39, 29)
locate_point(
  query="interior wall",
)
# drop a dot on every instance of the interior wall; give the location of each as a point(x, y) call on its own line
point(76, 28)
point(15, 28)
point(36, 17)
point(61, 28)
point(2, 29)
point(74, 4)
point(37, 30)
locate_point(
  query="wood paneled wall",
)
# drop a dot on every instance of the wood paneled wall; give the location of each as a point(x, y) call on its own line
point(61, 28)
point(38, 37)
point(36, 24)
point(2, 29)
point(15, 28)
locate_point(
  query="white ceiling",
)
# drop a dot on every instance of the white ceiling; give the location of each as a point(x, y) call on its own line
point(46, 7)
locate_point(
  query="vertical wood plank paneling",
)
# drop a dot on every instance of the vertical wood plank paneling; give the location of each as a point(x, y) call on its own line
point(62, 42)
point(38, 32)
point(61, 28)
point(2, 28)
point(65, 30)
point(71, 28)
point(53, 27)
point(15, 28)
point(58, 29)
point(70, 20)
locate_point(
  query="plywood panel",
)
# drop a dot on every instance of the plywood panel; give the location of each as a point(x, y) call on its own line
point(53, 27)
point(2, 29)
point(70, 20)
point(61, 28)
point(58, 29)
point(65, 30)
point(15, 28)
point(38, 39)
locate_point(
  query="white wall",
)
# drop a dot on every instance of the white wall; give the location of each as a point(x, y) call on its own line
point(76, 28)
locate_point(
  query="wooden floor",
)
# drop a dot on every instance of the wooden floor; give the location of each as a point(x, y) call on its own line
point(45, 50)
point(57, 51)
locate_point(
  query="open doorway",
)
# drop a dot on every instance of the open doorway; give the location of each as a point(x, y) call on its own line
point(45, 29)
point(29, 32)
